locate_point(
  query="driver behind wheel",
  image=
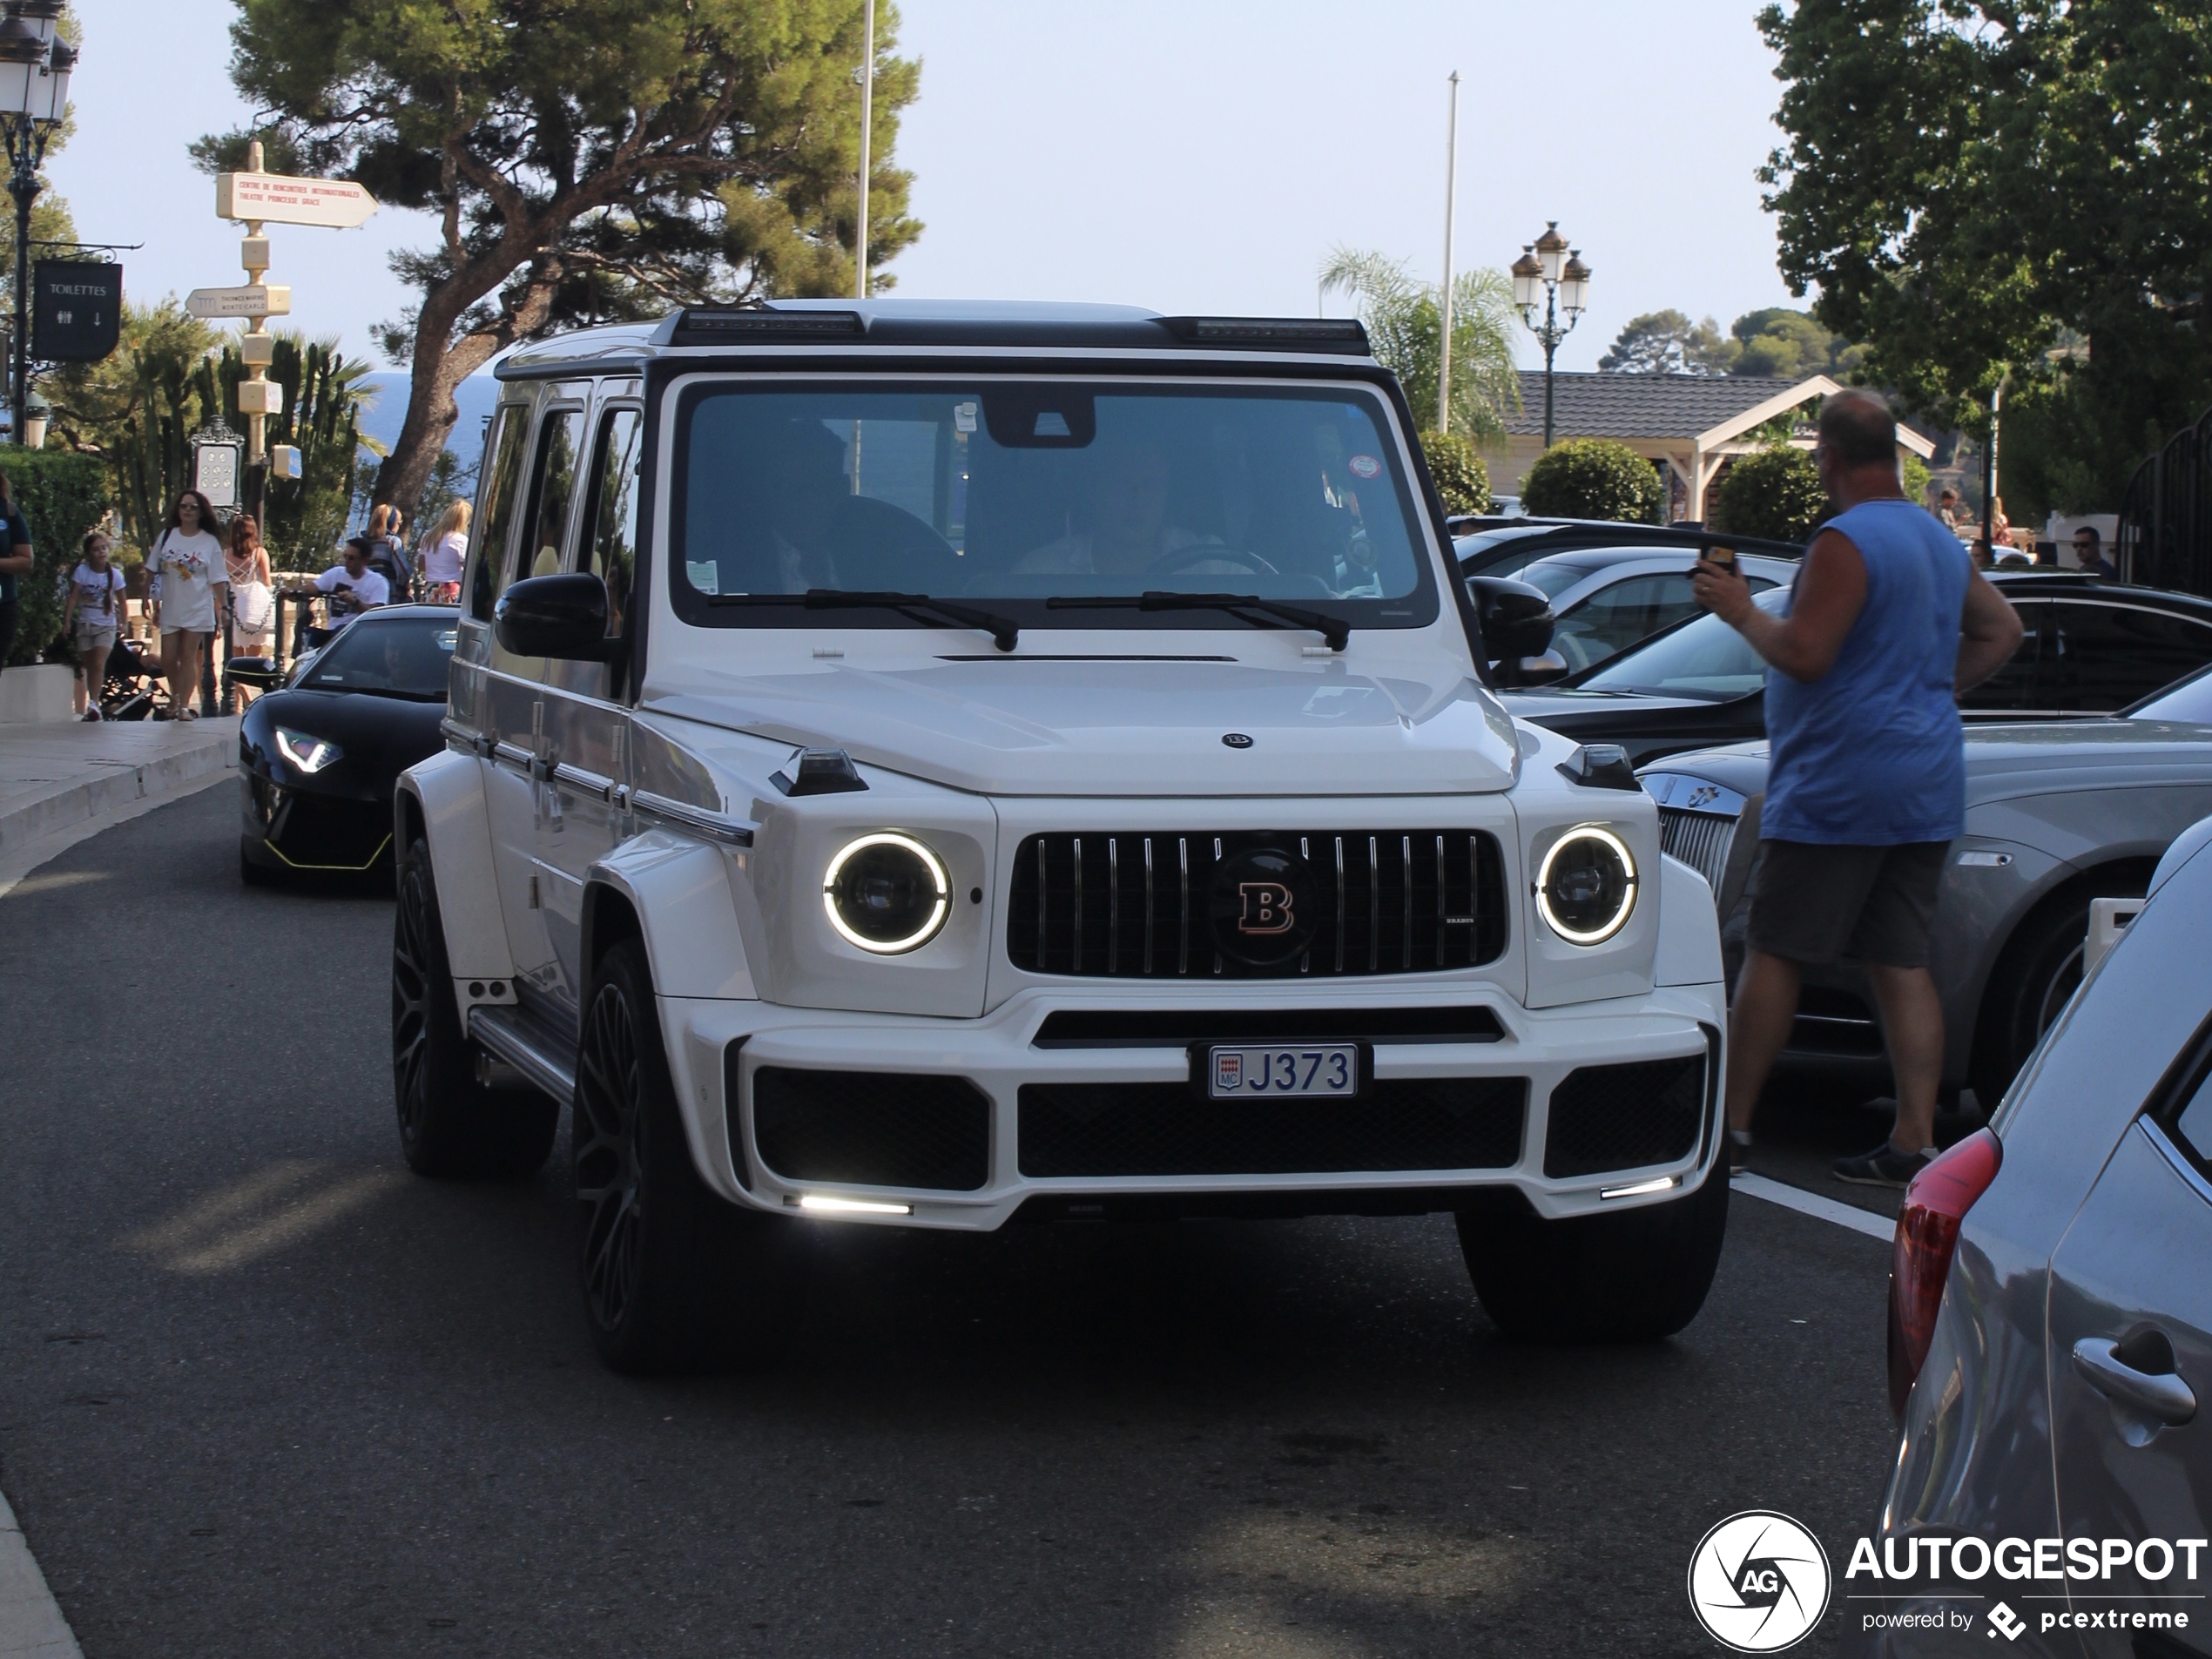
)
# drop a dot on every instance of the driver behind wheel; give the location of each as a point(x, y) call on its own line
point(1126, 494)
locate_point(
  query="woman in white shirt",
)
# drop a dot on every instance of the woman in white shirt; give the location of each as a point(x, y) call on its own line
point(442, 551)
point(91, 619)
point(187, 562)
point(253, 599)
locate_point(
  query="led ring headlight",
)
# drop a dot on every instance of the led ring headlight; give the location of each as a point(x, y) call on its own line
point(1586, 889)
point(886, 892)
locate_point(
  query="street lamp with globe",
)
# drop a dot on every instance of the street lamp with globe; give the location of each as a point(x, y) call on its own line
point(35, 66)
point(1552, 276)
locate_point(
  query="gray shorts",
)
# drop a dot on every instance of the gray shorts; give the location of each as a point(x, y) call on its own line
point(1812, 903)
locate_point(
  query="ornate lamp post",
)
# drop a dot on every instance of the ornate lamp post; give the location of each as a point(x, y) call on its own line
point(1551, 275)
point(35, 66)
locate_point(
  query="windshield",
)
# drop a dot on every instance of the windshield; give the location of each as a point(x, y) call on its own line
point(1023, 497)
point(2187, 702)
point(1703, 658)
point(398, 656)
point(1555, 576)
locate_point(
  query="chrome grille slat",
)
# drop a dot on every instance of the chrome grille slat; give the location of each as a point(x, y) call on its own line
point(1702, 840)
point(1450, 910)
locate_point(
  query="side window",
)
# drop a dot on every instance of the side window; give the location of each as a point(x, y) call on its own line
point(2102, 657)
point(610, 550)
point(553, 481)
point(2014, 685)
point(496, 510)
point(1614, 618)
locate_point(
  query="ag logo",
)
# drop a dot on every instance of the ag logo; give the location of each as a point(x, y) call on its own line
point(1759, 1582)
point(1262, 907)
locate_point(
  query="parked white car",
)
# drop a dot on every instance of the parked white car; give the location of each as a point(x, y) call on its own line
point(937, 766)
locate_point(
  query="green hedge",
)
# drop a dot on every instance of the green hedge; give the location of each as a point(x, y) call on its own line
point(1773, 492)
point(1461, 479)
point(1592, 478)
point(61, 494)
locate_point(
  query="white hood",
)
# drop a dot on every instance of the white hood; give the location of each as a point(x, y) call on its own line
point(1034, 725)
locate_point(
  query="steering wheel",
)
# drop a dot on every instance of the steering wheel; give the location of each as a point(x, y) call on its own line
point(1184, 557)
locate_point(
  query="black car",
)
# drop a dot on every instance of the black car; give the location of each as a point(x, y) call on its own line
point(2092, 646)
point(318, 758)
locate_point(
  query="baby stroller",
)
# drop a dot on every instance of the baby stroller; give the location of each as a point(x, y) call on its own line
point(133, 687)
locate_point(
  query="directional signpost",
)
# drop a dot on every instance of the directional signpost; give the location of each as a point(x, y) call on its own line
point(260, 197)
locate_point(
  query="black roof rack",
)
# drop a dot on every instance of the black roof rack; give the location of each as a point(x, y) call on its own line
point(775, 325)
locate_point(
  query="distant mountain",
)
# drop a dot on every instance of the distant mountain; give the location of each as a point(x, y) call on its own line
point(477, 396)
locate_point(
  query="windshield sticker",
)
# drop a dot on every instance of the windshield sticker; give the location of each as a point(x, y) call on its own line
point(1365, 467)
point(705, 575)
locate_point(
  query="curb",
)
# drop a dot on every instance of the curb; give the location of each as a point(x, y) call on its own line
point(31, 1626)
point(80, 801)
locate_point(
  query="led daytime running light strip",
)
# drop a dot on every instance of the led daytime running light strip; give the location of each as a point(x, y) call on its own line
point(1591, 936)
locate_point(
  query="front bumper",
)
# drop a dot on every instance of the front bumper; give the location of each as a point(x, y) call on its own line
point(717, 1049)
point(298, 826)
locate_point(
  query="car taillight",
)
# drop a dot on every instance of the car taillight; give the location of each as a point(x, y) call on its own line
point(1927, 1233)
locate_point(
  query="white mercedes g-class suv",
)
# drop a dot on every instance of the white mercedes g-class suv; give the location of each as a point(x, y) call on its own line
point(943, 765)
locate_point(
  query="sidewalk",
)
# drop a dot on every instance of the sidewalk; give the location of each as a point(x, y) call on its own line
point(61, 781)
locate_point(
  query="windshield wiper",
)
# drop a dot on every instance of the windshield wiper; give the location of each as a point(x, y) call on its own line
point(1003, 631)
point(1334, 630)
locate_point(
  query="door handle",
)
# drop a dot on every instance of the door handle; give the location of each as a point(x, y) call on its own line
point(2164, 1396)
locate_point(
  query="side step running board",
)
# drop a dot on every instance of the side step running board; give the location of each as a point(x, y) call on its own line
point(513, 1036)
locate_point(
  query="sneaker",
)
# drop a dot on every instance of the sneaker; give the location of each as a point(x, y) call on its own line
point(91, 716)
point(1884, 1167)
point(1739, 1151)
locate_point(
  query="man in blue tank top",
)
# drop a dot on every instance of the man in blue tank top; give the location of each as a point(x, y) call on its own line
point(1867, 785)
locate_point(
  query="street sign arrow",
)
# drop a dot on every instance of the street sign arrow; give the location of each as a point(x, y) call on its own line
point(282, 199)
point(266, 299)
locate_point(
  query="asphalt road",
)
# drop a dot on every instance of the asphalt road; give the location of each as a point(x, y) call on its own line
point(264, 1393)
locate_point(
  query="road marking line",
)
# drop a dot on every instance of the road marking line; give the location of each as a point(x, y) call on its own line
point(1812, 1203)
point(31, 1626)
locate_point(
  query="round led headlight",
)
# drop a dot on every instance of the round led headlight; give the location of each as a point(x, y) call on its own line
point(886, 892)
point(1586, 888)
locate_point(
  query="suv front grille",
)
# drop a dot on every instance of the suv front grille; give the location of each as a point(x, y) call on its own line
point(1700, 840)
point(1167, 905)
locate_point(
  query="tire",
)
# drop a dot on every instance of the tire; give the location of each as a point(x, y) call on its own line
point(675, 1278)
point(1635, 1276)
point(2038, 971)
point(451, 1124)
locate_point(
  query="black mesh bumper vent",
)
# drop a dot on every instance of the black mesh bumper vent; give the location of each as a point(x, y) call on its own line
point(1623, 1117)
point(1129, 903)
point(875, 1129)
point(1168, 1129)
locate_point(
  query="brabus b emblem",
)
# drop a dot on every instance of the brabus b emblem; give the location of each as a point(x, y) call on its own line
point(1262, 905)
point(1269, 907)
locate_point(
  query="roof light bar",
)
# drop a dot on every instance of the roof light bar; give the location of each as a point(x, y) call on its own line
point(704, 327)
point(1345, 332)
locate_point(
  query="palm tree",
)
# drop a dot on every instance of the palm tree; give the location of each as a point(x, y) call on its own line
point(1401, 312)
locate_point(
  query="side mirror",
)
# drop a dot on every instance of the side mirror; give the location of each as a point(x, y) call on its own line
point(1541, 671)
point(562, 616)
point(257, 671)
point(1515, 617)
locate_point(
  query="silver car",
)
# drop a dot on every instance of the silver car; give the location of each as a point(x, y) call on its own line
point(2051, 1335)
point(2058, 813)
point(1607, 599)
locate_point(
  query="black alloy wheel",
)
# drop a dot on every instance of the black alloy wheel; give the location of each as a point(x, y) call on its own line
point(675, 1278)
point(451, 1124)
point(2037, 974)
point(1628, 1276)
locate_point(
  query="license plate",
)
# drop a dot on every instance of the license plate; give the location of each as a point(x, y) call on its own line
point(1308, 1070)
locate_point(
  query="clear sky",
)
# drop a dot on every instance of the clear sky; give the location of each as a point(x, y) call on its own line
point(1189, 155)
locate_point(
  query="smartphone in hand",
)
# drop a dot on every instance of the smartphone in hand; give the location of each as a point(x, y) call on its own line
point(1723, 556)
